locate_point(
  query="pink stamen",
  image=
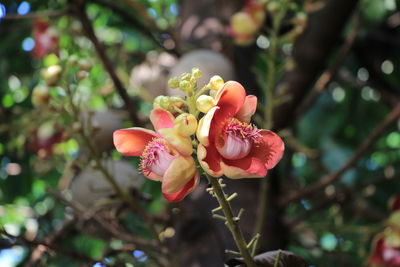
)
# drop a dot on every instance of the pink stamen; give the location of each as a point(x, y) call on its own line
point(156, 157)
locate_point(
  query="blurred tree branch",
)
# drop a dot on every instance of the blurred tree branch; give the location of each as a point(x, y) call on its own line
point(50, 242)
point(340, 197)
point(79, 9)
point(333, 177)
point(310, 54)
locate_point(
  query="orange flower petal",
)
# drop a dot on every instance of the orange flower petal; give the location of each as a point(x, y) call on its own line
point(188, 188)
point(161, 118)
point(230, 97)
point(132, 141)
point(209, 160)
point(248, 109)
point(269, 149)
point(248, 167)
point(178, 174)
point(203, 129)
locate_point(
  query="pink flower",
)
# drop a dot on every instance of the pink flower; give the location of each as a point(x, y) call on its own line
point(229, 145)
point(384, 254)
point(165, 155)
point(46, 39)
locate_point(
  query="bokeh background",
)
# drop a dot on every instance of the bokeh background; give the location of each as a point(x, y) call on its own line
point(332, 70)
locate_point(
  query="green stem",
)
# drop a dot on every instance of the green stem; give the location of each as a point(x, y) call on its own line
point(276, 263)
point(231, 222)
point(110, 179)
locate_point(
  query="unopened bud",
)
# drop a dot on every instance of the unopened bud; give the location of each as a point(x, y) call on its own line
point(164, 102)
point(85, 64)
point(186, 76)
point(40, 96)
point(157, 101)
point(216, 82)
point(186, 124)
point(243, 23)
point(52, 75)
point(81, 75)
point(173, 82)
point(273, 7)
point(196, 72)
point(185, 86)
point(204, 103)
point(72, 60)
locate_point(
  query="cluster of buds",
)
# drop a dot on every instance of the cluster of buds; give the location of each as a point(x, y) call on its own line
point(224, 141)
point(245, 24)
point(386, 245)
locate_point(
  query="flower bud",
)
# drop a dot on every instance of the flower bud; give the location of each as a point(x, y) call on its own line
point(84, 64)
point(52, 75)
point(81, 75)
point(72, 60)
point(185, 86)
point(242, 23)
point(164, 102)
point(273, 7)
point(173, 82)
point(157, 101)
point(196, 72)
point(40, 96)
point(186, 76)
point(185, 124)
point(204, 103)
point(216, 82)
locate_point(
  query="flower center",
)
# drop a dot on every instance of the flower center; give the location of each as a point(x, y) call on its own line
point(238, 139)
point(156, 157)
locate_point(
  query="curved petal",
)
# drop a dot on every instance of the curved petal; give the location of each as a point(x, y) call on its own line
point(152, 176)
point(231, 97)
point(181, 194)
point(269, 149)
point(248, 167)
point(248, 109)
point(132, 141)
point(178, 174)
point(181, 143)
point(161, 118)
point(209, 160)
point(203, 129)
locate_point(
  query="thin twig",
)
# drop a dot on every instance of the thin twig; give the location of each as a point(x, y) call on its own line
point(35, 15)
point(363, 148)
point(340, 197)
point(79, 10)
point(328, 75)
point(41, 247)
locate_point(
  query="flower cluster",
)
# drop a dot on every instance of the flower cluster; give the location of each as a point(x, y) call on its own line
point(386, 246)
point(224, 140)
point(245, 24)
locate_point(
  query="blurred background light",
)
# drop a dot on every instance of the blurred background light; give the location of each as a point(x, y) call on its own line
point(2, 11)
point(24, 8)
point(28, 44)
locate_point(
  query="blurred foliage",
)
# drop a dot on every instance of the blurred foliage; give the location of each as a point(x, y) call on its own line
point(337, 123)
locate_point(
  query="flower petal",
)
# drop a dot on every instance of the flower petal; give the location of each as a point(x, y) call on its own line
point(178, 174)
point(181, 194)
point(203, 128)
point(132, 141)
point(161, 118)
point(209, 160)
point(248, 109)
point(231, 97)
point(269, 149)
point(152, 176)
point(248, 167)
point(181, 143)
